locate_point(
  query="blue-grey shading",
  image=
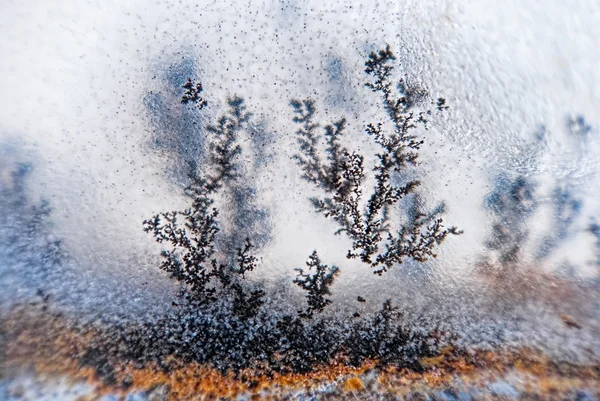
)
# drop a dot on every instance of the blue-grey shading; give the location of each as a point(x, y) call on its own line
point(511, 202)
point(261, 140)
point(566, 208)
point(177, 127)
point(578, 126)
point(248, 220)
point(31, 257)
point(179, 130)
point(340, 92)
point(595, 230)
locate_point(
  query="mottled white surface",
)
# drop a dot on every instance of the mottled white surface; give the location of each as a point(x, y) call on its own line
point(75, 80)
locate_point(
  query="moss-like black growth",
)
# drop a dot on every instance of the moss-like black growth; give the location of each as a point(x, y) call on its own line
point(192, 259)
point(316, 285)
point(343, 175)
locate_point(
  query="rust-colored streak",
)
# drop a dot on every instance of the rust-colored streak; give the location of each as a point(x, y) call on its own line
point(354, 384)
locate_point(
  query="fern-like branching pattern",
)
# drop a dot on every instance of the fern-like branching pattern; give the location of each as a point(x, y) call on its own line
point(365, 219)
point(317, 285)
point(192, 257)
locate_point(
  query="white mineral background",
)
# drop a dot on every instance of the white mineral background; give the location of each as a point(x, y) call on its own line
point(90, 102)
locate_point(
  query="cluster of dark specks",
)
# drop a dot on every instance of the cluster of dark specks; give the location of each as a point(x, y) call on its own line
point(192, 94)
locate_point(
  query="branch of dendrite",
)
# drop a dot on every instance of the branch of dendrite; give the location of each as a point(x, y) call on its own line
point(245, 261)
point(400, 144)
point(309, 160)
point(336, 154)
point(317, 285)
point(416, 242)
point(192, 242)
point(343, 206)
point(224, 148)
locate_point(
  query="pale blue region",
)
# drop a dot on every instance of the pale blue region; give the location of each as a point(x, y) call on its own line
point(335, 69)
point(566, 209)
point(464, 396)
point(177, 73)
point(594, 229)
point(541, 135)
point(142, 396)
point(512, 201)
point(109, 397)
point(28, 388)
point(578, 126)
point(453, 395)
point(262, 140)
point(31, 257)
point(503, 389)
point(340, 94)
point(585, 395)
point(4, 391)
point(178, 128)
point(249, 220)
point(417, 396)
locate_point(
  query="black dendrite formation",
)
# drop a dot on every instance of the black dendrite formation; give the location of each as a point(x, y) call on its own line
point(342, 176)
point(191, 233)
point(193, 257)
point(192, 94)
point(317, 285)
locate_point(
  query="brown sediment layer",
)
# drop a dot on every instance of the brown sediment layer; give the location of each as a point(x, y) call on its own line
point(49, 346)
point(193, 381)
